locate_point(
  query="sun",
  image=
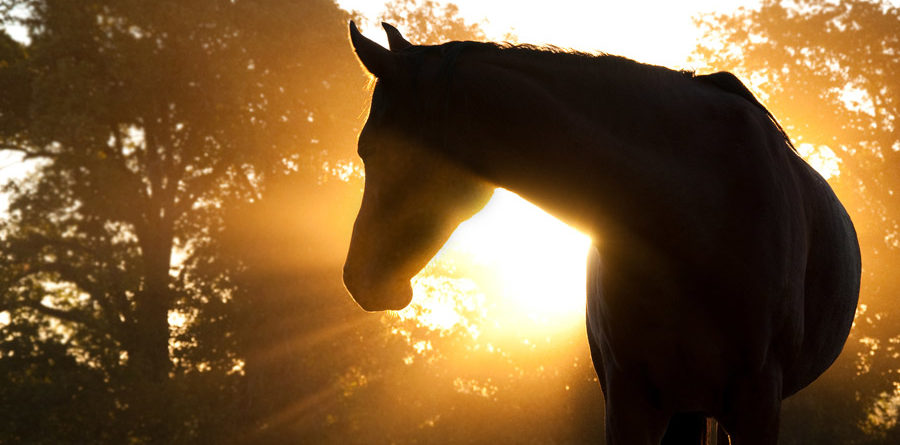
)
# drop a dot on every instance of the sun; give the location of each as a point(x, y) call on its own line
point(529, 266)
point(538, 262)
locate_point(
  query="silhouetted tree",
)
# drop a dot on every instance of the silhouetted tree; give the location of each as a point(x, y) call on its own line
point(427, 22)
point(143, 120)
point(830, 71)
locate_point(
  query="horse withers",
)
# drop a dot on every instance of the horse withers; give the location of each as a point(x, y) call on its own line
point(724, 274)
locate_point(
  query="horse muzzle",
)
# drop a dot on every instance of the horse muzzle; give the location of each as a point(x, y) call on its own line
point(375, 297)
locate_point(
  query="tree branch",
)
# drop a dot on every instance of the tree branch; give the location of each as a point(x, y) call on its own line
point(195, 188)
point(111, 306)
point(65, 315)
point(31, 153)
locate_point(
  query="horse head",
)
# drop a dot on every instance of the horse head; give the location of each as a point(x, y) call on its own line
point(414, 197)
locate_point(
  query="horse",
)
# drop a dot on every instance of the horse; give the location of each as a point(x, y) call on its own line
point(724, 272)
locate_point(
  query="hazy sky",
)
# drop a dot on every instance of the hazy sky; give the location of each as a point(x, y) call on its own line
point(658, 31)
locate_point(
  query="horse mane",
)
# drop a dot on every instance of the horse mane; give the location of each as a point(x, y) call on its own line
point(450, 51)
point(723, 80)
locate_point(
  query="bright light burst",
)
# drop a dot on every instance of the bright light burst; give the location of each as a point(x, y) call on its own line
point(538, 261)
point(530, 266)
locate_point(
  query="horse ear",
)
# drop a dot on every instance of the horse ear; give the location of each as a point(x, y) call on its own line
point(378, 60)
point(395, 39)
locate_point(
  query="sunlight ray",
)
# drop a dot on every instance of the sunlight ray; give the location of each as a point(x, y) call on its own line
point(309, 338)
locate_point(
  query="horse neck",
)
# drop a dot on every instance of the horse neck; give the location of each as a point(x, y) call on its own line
point(566, 140)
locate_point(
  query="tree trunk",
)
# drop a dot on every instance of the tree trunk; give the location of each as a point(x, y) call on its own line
point(151, 354)
point(149, 362)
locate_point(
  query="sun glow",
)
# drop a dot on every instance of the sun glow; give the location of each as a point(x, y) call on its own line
point(537, 261)
point(512, 259)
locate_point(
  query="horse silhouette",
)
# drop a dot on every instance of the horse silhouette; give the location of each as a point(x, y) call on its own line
point(724, 274)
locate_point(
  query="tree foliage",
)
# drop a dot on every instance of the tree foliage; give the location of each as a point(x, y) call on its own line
point(428, 22)
point(143, 121)
point(170, 268)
